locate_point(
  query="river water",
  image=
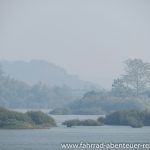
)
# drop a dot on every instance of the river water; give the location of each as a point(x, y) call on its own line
point(51, 139)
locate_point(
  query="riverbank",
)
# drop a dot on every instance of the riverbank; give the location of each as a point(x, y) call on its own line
point(133, 118)
point(29, 120)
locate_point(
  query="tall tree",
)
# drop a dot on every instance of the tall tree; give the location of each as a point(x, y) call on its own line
point(137, 74)
point(119, 89)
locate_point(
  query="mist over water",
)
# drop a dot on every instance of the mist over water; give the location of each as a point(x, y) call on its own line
point(73, 71)
point(51, 139)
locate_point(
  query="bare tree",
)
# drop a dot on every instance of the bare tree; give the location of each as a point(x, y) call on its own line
point(137, 74)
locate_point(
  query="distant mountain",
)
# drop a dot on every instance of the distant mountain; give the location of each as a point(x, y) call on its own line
point(42, 71)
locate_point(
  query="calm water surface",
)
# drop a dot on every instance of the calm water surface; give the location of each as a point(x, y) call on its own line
point(51, 139)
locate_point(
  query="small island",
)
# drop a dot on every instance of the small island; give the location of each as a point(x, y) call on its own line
point(133, 118)
point(29, 120)
point(77, 122)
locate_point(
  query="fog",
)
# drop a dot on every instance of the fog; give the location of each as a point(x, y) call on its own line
point(88, 38)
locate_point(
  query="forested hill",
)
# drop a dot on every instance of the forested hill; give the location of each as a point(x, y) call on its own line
point(42, 71)
point(17, 94)
point(129, 91)
point(38, 84)
point(98, 103)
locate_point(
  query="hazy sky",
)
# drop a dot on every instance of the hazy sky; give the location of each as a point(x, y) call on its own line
point(89, 38)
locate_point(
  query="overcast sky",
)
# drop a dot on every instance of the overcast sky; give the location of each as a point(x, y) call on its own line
point(89, 38)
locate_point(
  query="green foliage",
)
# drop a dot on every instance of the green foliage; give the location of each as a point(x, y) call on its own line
point(134, 118)
point(102, 103)
point(123, 96)
point(101, 120)
point(76, 122)
point(12, 119)
point(39, 117)
point(61, 111)
point(17, 94)
point(119, 89)
point(134, 81)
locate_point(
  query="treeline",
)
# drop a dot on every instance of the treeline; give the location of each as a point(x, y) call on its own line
point(133, 118)
point(98, 103)
point(15, 120)
point(17, 94)
point(129, 91)
point(77, 122)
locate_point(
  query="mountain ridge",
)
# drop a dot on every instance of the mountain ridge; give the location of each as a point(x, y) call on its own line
point(35, 70)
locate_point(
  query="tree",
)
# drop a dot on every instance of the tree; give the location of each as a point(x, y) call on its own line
point(119, 89)
point(1, 73)
point(137, 75)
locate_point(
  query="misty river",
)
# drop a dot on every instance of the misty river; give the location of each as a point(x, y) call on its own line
point(51, 139)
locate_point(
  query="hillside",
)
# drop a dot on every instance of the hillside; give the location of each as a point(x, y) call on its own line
point(50, 74)
point(98, 103)
point(38, 84)
point(129, 91)
point(18, 94)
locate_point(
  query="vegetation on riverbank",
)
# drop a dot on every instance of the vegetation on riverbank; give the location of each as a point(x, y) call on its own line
point(129, 91)
point(133, 118)
point(76, 122)
point(97, 103)
point(30, 120)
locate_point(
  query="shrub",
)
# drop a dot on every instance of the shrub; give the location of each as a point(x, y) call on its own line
point(76, 122)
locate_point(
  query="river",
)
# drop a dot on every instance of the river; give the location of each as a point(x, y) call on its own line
point(51, 139)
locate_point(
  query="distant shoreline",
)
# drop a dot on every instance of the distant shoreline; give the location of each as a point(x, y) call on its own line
point(10, 119)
